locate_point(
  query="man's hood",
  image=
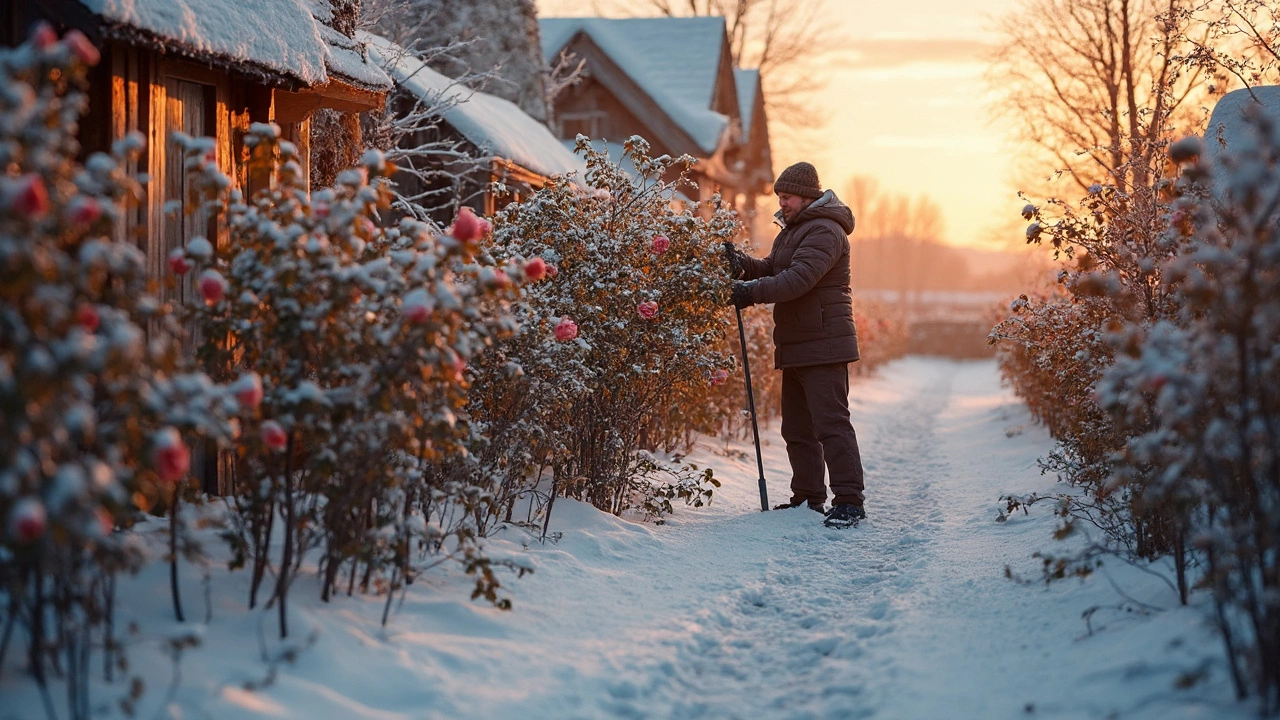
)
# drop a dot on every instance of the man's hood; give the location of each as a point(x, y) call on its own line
point(827, 206)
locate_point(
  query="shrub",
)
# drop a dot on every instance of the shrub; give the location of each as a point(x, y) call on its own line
point(359, 336)
point(629, 323)
point(98, 406)
point(1055, 348)
point(1198, 395)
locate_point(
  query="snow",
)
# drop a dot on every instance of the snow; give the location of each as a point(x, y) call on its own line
point(726, 612)
point(676, 61)
point(280, 35)
point(494, 125)
point(346, 57)
point(1227, 123)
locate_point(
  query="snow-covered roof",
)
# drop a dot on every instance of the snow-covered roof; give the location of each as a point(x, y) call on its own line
point(346, 57)
point(494, 125)
point(746, 80)
point(280, 36)
point(674, 60)
point(1228, 122)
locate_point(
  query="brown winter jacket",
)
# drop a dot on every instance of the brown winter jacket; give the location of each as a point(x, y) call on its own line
point(807, 276)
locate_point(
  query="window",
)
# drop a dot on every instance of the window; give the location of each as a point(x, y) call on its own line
point(591, 124)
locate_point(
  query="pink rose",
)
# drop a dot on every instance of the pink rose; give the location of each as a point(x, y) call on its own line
point(535, 269)
point(552, 271)
point(719, 376)
point(106, 522)
point(43, 36)
point(660, 244)
point(417, 314)
point(86, 211)
point(28, 520)
point(248, 390)
point(80, 46)
point(417, 307)
point(178, 263)
point(170, 456)
point(32, 199)
point(213, 287)
point(273, 435)
point(648, 309)
point(459, 365)
point(87, 317)
point(467, 227)
point(566, 330)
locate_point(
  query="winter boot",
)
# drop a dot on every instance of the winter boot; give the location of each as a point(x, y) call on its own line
point(817, 507)
point(844, 515)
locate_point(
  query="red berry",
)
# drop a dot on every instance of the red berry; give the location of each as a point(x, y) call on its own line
point(467, 227)
point(28, 520)
point(566, 329)
point(32, 198)
point(535, 269)
point(274, 436)
point(87, 317)
point(178, 263)
point(80, 46)
point(170, 456)
point(248, 390)
point(212, 287)
point(43, 36)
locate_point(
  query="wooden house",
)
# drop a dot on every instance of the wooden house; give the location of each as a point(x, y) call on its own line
point(204, 68)
point(671, 81)
point(504, 146)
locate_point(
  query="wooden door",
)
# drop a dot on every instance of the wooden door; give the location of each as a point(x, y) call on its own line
point(189, 108)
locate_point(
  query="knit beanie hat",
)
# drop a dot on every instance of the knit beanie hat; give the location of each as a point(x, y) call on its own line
point(800, 179)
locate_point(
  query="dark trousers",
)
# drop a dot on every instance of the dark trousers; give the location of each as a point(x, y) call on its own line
point(816, 426)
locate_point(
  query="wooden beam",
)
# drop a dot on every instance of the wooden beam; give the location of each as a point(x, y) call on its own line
point(345, 97)
point(295, 107)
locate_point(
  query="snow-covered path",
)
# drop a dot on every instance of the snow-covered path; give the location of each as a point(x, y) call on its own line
point(779, 614)
point(728, 613)
point(731, 613)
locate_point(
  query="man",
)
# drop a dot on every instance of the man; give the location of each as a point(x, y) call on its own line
point(806, 276)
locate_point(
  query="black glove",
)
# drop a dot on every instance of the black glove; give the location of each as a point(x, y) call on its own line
point(733, 256)
point(740, 297)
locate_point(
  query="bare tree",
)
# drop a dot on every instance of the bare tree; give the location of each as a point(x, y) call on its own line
point(433, 163)
point(1241, 41)
point(898, 242)
point(1095, 86)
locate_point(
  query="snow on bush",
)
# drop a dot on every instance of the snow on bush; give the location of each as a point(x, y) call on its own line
point(359, 337)
point(1157, 367)
point(99, 409)
point(629, 322)
point(1198, 395)
point(1054, 349)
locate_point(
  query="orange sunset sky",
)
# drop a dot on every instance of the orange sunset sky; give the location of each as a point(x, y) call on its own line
point(908, 105)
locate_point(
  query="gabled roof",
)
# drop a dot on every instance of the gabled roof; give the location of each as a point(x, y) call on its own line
point(675, 61)
point(747, 82)
point(494, 125)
